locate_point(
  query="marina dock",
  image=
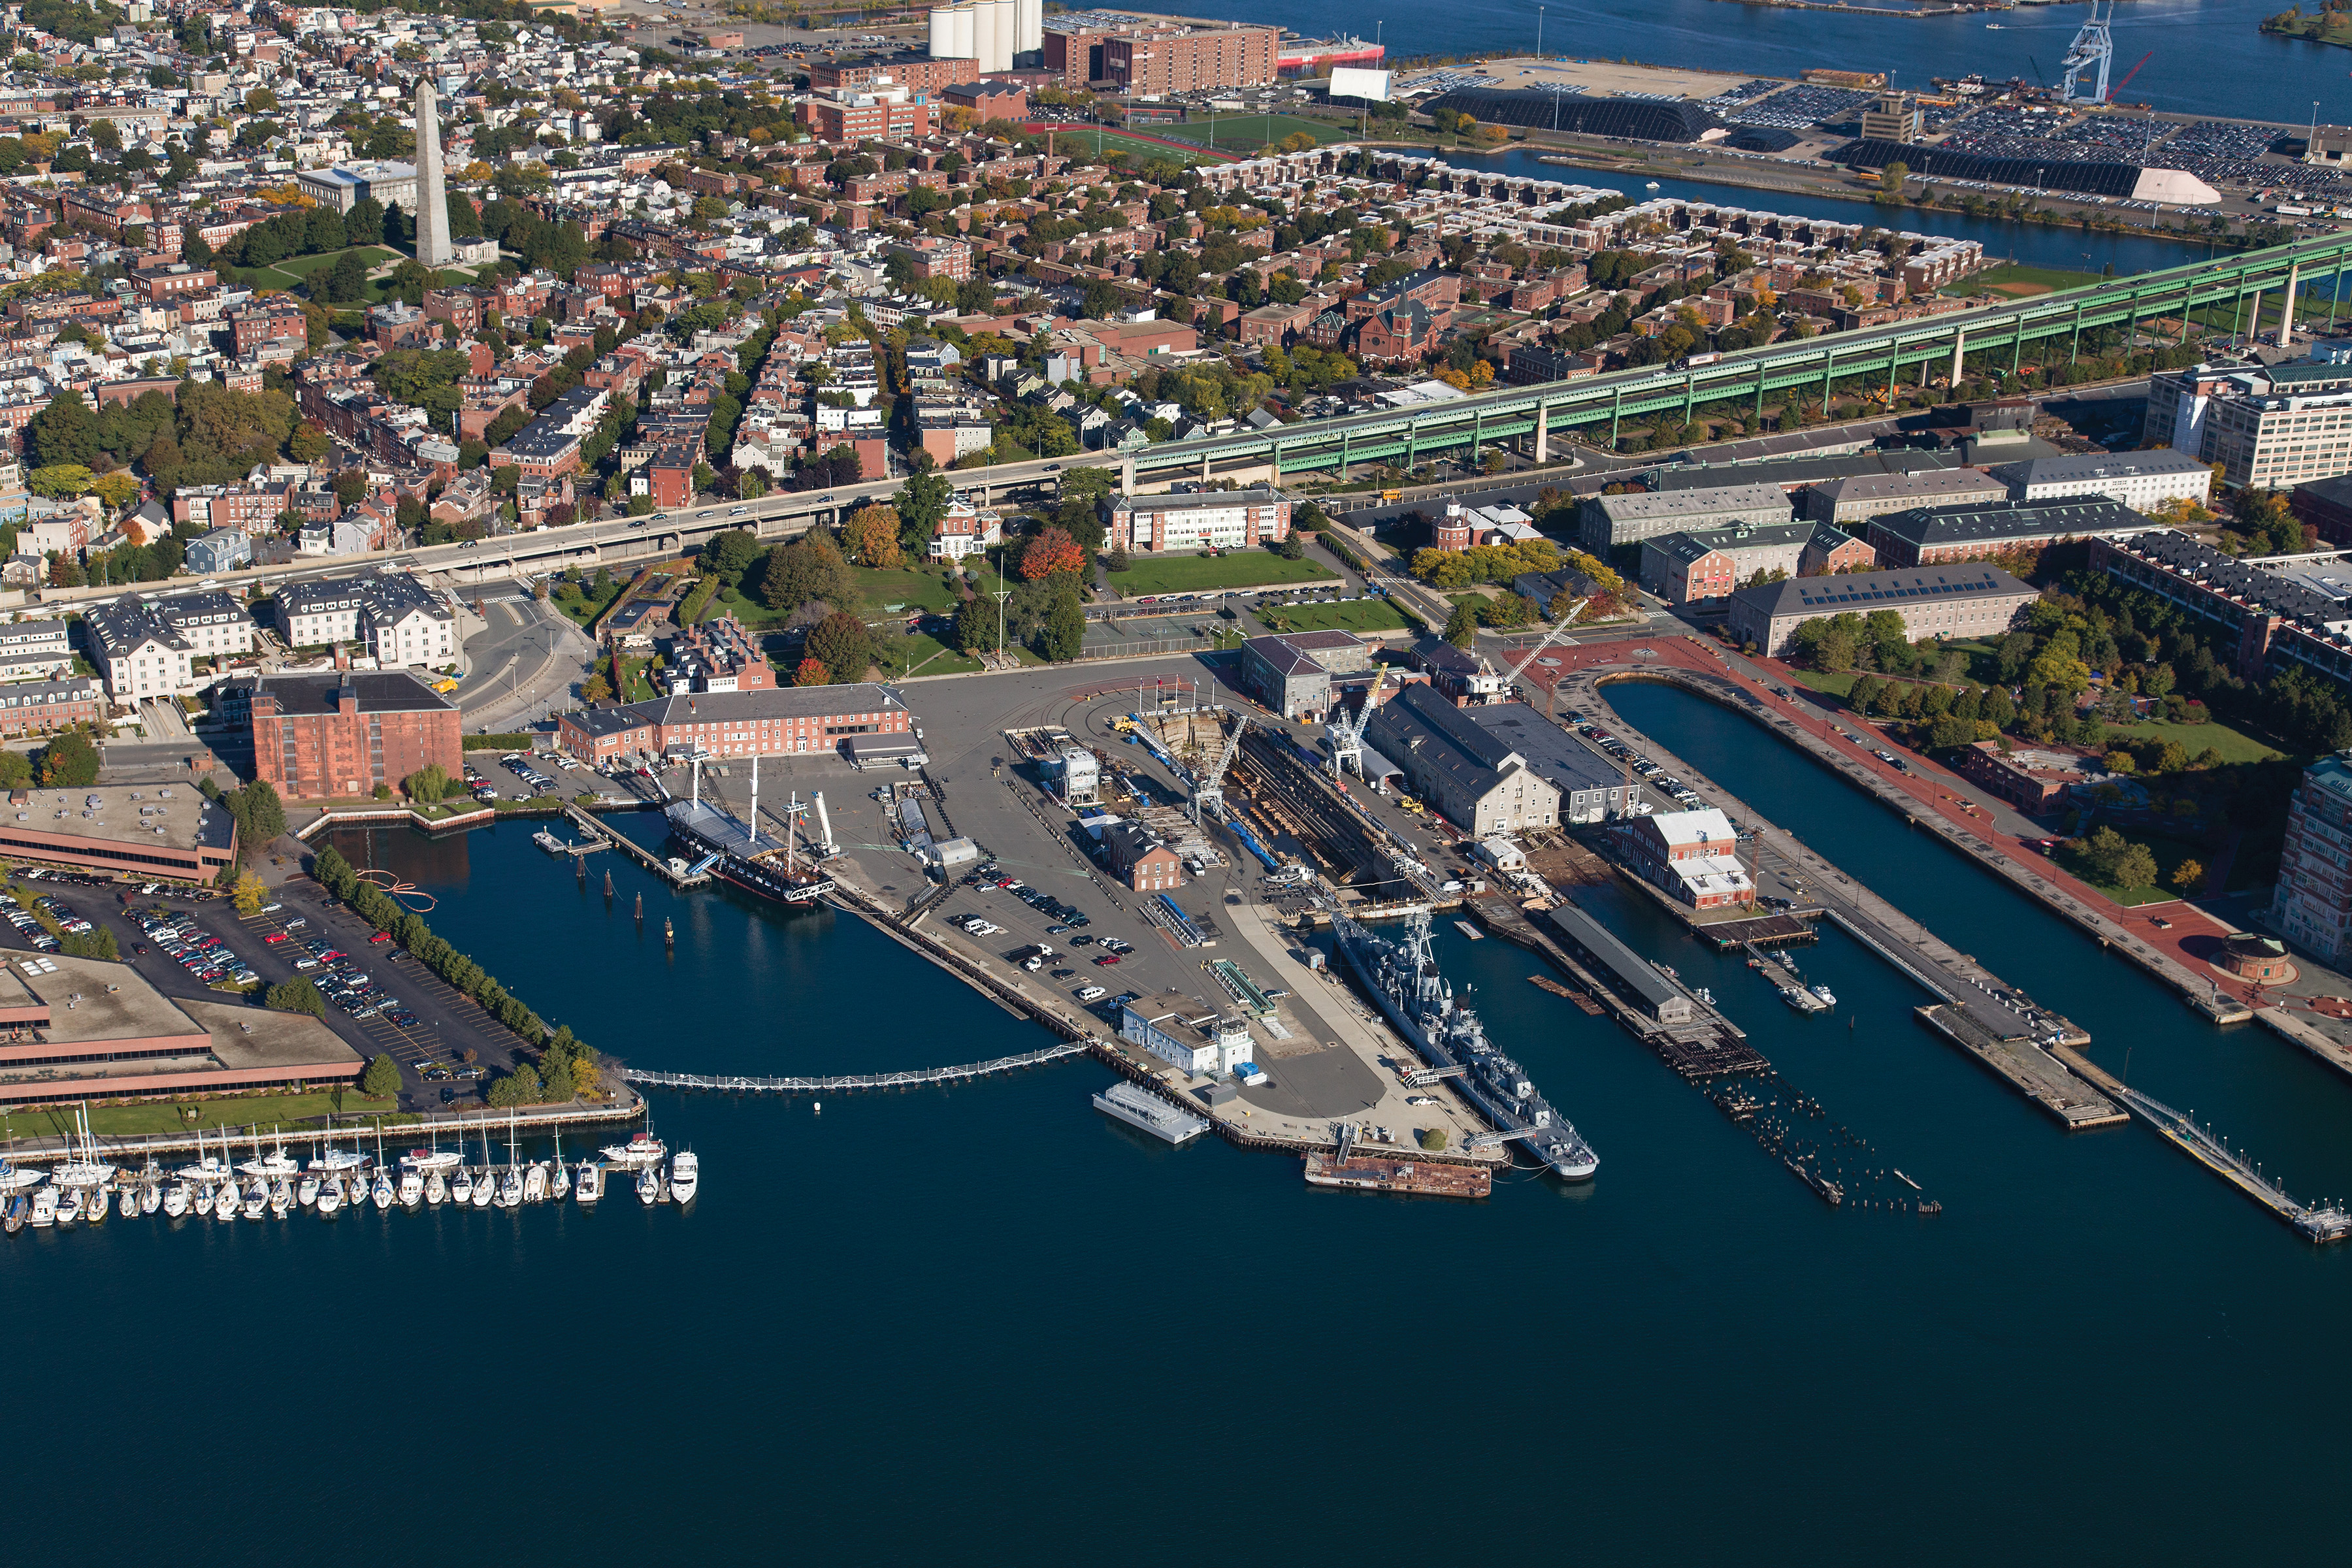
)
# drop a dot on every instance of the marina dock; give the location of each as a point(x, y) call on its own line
point(659, 865)
point(1993, 1021)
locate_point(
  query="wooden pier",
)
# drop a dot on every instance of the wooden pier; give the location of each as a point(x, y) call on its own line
point(658, 863)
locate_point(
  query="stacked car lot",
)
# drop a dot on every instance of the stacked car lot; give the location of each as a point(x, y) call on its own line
point(193, 949)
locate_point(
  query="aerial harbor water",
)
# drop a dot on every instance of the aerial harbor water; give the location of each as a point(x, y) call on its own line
point(2209, 57)
point(952, 1325)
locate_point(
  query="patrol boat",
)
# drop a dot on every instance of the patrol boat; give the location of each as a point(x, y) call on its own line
point(1403, 978)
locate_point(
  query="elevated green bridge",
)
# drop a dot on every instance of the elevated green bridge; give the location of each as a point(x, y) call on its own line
point(1900, 353)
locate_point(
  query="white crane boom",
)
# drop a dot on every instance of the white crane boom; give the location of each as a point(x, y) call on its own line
point(1558, 630)
point(1210, 790)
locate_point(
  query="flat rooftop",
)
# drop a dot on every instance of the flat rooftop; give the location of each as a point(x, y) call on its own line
point(174, 815)
point(91, 999)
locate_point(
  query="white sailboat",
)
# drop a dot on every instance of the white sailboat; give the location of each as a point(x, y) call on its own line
point(485, 1183)
point(151, 1190)
point(330, 1197)
point(381, 1194)
point(176, 1199)
point(69, 1201)
point(209, 1168)
point(558, 1180)
point(203, 1201)
point(306, 1192)
point(649, 1184)
point(339, 1160)
point(436, 1189)
point(281, 1196)
point(461, 1186)
point(83, 1168)
point(685, 1176)
point(272, 1165)
point(256, 1199)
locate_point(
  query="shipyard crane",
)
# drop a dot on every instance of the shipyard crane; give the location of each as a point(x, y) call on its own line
point(1348, 733)
point(1210, 792)
point(1558, 630)
point(2093, 50)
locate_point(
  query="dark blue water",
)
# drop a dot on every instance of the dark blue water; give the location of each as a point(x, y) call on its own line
point(2207, 55)
point(989, 1326)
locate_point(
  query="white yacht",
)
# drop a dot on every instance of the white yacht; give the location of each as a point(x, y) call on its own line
point(330, 1197)
point(272, 1165)
point(509, 1188)
point(201, 1202)
point(591, 1182)
point(382, 1192)
point(486, 1188)
point(412, 1188)
point(685, 1173)
point(225, 1199)
point(151, 1196)
point(461, 1186)
point(638, 1153)
point(306, 1191)
point(436, 1188)
point(45, 1206)
point(16, 1178)
point(176, 1198)
point(256, 1199)
point(69, 1204)
point(534, 1182)
point(281, 1197)
point(1828, 999)
point(424, 1162)
point(649, 1184)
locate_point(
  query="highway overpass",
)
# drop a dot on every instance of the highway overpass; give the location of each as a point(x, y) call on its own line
point(1905, 353)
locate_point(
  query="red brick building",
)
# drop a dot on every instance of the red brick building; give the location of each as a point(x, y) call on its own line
point(772, 721)
point(1141, 860)
point(858, 116)
point(340, 734)
point(275, 322)
point(1189, 59)
point(920, 72)
point(157, 284)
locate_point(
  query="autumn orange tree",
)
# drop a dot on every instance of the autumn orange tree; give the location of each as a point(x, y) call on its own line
point(1051, 550)
point(870, 538)
point(811, 672)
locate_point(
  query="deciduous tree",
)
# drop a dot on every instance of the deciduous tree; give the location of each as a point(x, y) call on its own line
point(870, 537)
point(1050, 551)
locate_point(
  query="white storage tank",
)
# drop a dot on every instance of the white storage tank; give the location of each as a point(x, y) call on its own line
point(967, 34)
point(1029, 31)
point(943, 33)
point(993, 35)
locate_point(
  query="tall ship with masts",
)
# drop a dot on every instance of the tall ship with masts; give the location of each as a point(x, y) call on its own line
point(1403, 978)
point(739, 852)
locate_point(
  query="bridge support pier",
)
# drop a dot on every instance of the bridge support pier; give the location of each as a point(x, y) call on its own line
point(2286, 316)
point(2254, 318)
point(2335, 292)
point(1543, 431)
point(1959, 347)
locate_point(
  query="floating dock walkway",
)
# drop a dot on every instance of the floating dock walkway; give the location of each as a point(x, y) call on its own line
point(850, 1083)
point(2321, 1225)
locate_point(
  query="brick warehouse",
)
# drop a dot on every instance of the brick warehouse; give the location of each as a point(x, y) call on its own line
point(316, 737)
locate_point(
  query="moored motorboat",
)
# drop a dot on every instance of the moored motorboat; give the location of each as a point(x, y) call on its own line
point(639, 1151)
point(70, 1204)
point(591, 1182)
point(306, 1191)
point(412, 1188)
point(44, 1207)
point(330, 1197)
point(176, 1198)
point(534, 1182)
point(685, 1176)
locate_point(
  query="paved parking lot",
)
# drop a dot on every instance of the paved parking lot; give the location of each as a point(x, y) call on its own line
point(446, 1022)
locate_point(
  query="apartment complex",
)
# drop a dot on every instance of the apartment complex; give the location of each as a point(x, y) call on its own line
point(144, 650)
point(1927, 536)
point(1143, 57)
point(2273, 425)
point(879, 110)
point(1694, 568)
point(401, 621)
point(2144, 481)
point(1211, 519)
point(1956, 601)
point(2272, 617)
point(2313, 905)
point(1609, 522)
point(341, 733)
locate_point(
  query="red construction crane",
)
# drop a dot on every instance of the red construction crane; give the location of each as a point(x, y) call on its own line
point(2131, 73)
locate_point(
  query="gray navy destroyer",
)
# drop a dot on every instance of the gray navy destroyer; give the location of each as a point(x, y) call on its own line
point(1403, 978)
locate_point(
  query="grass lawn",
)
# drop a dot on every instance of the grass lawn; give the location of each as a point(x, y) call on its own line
point(2168, 852)
point(1190, 574)
point(918, 587)
point(2234, 746)
point(1246, 133)
point(285, 1110)
point(1836, 685)
point(1073, 141)
point(1362, 615)
point(2019, 282)
point(584, 609)
point(633, 673)
point(303, 266)
point(921, 654)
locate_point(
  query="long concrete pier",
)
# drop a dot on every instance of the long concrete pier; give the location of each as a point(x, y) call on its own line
point(1993, 1021)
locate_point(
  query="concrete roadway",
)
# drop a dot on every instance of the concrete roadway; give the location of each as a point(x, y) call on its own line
point(525, 664)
